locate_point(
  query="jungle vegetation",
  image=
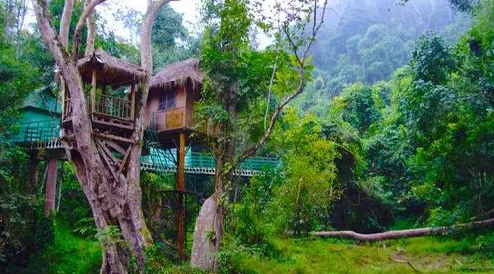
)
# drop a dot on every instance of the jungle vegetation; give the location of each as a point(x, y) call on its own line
point(394, 130)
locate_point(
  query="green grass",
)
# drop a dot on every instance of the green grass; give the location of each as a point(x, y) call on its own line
point(68, 254)
point(440, 254)
point(426, 254)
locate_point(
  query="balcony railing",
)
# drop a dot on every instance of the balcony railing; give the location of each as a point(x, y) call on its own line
point(104, 104)
point(172, 118)
point(206, 161)
point(113, 106)
point(36, 131)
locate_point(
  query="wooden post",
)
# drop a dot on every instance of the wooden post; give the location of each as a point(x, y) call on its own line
point(93, 90)
point(181, 190)
point(51, 185)
point(132, 102)
point(62, 86)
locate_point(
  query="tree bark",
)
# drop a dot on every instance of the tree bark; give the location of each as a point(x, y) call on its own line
point(51, 186)
point(406, 233)
point(208, 232)
point(115, 200)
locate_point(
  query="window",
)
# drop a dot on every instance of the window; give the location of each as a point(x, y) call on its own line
point(170, 99)
point(167, 100)
point(162, 101)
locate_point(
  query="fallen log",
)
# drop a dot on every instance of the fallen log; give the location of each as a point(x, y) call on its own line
point(406, 233)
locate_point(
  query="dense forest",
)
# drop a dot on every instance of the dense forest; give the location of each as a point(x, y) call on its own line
point(393, 129)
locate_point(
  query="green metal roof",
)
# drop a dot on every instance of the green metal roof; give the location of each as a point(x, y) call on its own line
point(43, 99)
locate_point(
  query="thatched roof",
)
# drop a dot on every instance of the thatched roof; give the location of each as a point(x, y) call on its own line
point(110, 70)
point(43, 100)
point(178, 73)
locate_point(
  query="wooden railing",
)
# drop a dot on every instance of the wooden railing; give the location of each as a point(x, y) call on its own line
point(168, 119)
point(113, 106)
point(67, 108)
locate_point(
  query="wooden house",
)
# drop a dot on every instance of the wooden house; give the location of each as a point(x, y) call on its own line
point(111, 86)
point(40, 117)
point(172, 94)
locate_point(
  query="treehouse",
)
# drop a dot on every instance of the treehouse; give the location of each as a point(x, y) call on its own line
point(39, 117)
point(110, 86)
point(172, 94)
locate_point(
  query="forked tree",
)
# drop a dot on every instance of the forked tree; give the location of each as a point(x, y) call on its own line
point(238, 79)
point(115, 201)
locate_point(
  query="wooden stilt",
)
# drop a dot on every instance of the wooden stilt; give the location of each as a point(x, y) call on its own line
point(51, 185)
point(93, 91)
point(181, 190)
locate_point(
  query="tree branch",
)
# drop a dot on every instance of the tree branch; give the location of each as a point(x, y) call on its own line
point(302, 64)
point(78, 28)
point(91, 35)
point(147, 61)
point(147, 24)
point(65, 22)
point(48, 32)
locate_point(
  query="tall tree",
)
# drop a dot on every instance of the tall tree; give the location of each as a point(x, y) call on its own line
point(238, 79)
point(114, 201)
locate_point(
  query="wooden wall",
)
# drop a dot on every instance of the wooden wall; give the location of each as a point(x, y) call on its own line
point(168, 119)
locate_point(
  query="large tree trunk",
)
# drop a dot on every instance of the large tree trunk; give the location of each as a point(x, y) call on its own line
point(208, 232)
point(115, 200)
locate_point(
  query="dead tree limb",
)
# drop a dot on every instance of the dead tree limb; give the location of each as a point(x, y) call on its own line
point(406, 233)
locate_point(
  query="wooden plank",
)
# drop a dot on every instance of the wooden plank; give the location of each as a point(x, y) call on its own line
point(175, 118)
point(113, 137)
point(124, 160)
point(108, 152)
point(116, 147)
point(107, 161)
point(105, 116)
point(110, 124)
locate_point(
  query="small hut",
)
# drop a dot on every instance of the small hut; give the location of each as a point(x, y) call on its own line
point(172, 94)
point(107, 77)
point(109, 70)
point(40, 117)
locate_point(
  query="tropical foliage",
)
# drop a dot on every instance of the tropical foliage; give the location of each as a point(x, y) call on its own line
point(394, 130)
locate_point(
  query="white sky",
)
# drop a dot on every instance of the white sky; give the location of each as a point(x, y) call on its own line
point(188, 8)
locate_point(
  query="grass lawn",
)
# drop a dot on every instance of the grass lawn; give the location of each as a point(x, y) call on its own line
point(67, 254)
point(425, 255)
point(473, 253)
